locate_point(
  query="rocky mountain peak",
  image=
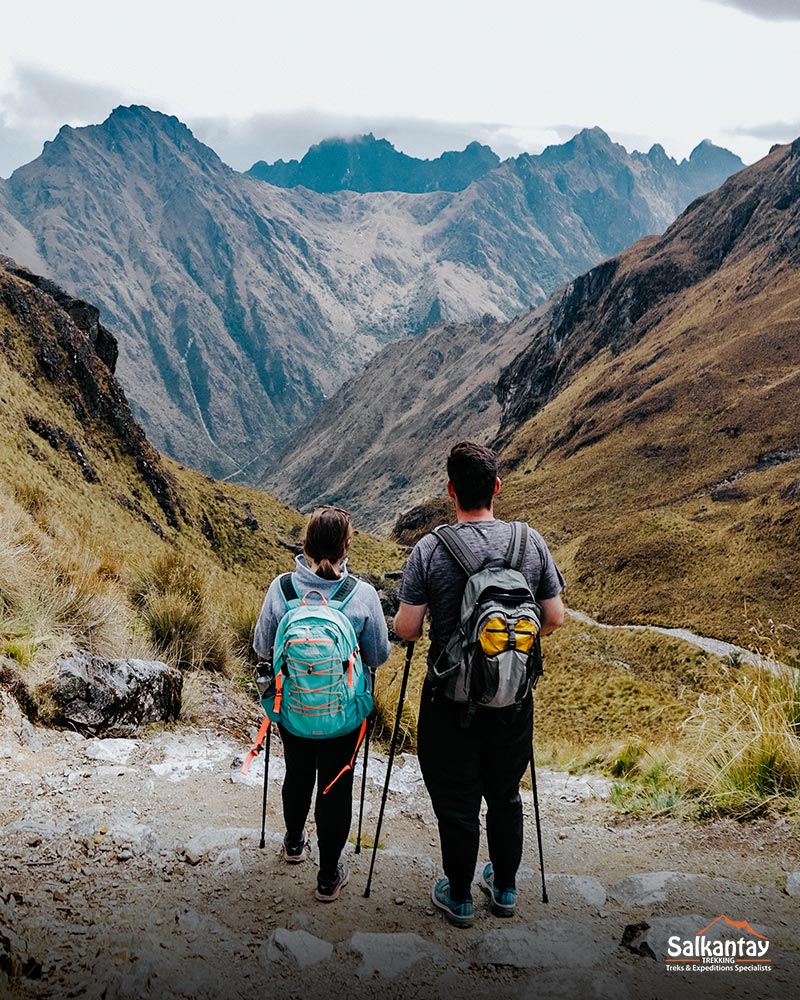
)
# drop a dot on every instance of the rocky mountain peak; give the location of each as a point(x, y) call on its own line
point(135, 131)
point(707, 154)
point(588, 140)
point(366, 163)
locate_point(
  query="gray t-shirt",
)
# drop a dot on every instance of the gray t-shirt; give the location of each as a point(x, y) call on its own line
point(431, 576)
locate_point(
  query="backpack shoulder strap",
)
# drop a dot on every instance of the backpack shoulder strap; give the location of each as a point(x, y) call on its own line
point(455, 545)
point(344, 591)
point(515, 554)
point(288, 589)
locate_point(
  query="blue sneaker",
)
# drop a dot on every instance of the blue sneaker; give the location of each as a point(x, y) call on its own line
point(459, 914)
point(502, 901)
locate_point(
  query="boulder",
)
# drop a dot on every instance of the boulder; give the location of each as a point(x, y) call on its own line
point(390, 955)
point(296, 948)
point(95, 696)
point(647, 888)
point(548, 944)
point(793, 884)
point(577, 889)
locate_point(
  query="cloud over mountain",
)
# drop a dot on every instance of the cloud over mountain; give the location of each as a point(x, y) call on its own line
point(767, 10)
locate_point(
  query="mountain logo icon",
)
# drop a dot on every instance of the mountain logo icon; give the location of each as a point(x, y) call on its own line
point(739, 925)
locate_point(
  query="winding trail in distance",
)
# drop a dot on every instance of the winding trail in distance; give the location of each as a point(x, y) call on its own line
point(716, 646)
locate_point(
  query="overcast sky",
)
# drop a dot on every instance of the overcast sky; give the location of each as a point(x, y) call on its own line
point(262, 80)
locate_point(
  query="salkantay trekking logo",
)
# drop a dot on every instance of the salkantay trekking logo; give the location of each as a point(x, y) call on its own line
point(713, 949)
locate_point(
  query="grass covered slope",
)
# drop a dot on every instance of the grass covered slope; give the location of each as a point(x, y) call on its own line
point(651, 430)
point(105, 544)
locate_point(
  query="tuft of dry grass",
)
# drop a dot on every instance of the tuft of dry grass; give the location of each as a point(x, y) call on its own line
point(743, 748)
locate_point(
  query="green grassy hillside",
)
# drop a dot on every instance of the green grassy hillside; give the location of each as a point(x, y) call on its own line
point(104, 543)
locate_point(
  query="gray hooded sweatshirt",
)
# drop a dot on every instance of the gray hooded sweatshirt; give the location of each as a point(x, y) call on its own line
point(363, 609)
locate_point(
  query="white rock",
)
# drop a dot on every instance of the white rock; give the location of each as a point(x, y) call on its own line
point(389, 955)
point(572, 787)
point(214, 839)
point(187, 753)
point(30, 736)
point(297, 948)
point(649, 887)
point(589, 889)
point(229, 861)
point(793, 884)
point(551, 944)
point(138, 838)
point(113, 751)
point(255, 776)
point(33, 828)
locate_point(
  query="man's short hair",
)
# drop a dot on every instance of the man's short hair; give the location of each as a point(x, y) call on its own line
point(472, 469)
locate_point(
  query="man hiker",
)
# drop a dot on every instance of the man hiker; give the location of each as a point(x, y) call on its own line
point(467, 753)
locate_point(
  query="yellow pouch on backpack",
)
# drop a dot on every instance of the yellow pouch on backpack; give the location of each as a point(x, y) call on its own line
point(495, 637)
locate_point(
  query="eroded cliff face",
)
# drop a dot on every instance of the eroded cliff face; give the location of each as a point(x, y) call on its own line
point(56, 345)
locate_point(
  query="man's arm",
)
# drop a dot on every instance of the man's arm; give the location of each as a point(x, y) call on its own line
point(408, 621)
point(552, 614)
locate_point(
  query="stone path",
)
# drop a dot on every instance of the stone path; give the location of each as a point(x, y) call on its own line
point(131, 869)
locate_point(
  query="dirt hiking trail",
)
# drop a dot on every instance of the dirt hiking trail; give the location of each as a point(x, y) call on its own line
point(131, 869)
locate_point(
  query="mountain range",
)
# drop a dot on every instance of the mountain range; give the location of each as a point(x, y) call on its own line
point(365, 163)
point(645, 416)
point(240, 306)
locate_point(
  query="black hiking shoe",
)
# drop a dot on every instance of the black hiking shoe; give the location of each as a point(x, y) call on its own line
point(294, 851)
point(327, 892)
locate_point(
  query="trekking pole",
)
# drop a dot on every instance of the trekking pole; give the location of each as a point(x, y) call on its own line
point(363, 784)
point(538, 821)
point(267, 741)
point(392, 748)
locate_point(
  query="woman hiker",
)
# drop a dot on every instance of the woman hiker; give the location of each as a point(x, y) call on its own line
point(320, 571)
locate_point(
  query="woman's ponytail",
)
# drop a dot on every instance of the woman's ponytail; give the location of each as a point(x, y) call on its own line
point(327, 539)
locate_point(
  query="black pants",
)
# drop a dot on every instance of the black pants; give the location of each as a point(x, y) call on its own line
point(309, 761)
point(463, 765)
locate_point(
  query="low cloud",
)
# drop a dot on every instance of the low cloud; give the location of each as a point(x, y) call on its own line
point(288, 135)
point(769, 131)
point(767, 10)
point(35, 106)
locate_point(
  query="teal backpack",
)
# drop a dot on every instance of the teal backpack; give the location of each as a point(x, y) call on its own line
point(321, 688)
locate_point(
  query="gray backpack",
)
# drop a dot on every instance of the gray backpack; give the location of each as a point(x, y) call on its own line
point(494, 657)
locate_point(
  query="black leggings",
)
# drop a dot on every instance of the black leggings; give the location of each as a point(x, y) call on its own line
point(461, 765)
point(309, 761)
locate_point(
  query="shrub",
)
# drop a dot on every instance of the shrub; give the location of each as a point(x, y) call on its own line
point(744, 747)
point(184, 632)
point(241, 619)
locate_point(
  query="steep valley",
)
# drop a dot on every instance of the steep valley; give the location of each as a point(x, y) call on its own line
point(648, 427)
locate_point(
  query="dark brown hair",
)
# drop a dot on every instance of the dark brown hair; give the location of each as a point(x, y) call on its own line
point(472, 469)
point(327, 539)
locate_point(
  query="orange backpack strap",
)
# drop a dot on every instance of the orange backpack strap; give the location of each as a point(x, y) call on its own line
point(349, 767)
